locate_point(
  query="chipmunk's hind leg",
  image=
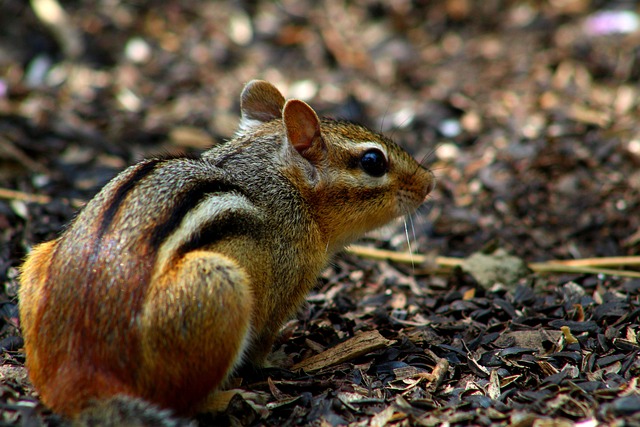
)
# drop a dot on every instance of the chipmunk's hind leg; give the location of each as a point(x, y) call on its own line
point(195, 327)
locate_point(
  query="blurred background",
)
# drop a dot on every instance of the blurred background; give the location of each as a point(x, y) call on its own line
point(527, 111)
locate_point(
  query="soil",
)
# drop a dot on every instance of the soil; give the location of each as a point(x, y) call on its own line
point(526, 111)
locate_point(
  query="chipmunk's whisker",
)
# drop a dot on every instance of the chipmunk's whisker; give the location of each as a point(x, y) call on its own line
point(413, 228)
point(406, 233)
point(430, 154)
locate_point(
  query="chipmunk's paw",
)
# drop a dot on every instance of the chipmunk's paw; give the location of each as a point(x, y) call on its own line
point(278, 359)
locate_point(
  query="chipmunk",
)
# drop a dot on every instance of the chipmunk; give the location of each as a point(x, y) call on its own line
point(181, 269)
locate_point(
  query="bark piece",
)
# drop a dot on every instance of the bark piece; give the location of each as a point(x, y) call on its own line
point(359, 345)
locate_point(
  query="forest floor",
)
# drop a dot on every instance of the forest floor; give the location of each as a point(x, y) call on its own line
point(527, 112)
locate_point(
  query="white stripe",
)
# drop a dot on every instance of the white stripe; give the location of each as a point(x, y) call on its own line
point(204, 213)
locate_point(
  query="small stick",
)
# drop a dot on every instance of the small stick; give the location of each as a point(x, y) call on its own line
point(403, 257)
point(52, 15)
point(9, 149)
point(577, 266)
point(592, 262)
point(8, 194)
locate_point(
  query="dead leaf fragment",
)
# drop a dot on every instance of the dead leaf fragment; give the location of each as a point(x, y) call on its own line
point(498, 267)
point(528, 339)
point(568, 336)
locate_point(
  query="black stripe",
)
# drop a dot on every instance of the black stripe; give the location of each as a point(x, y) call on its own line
point(226, 225)
point(185, 203)
point(121, 193)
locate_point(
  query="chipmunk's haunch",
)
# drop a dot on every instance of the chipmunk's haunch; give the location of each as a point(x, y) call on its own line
point(182, 268)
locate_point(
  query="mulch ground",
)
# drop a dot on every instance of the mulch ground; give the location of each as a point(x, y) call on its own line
point(527, 112)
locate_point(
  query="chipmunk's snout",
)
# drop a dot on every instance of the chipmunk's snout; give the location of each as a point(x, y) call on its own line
point(431, 184)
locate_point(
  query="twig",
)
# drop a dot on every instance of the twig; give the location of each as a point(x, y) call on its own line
point(403, 257)
point(56, 19)
point(9, 149)
point(8, 194)
point(577, 266)
point(592, 262)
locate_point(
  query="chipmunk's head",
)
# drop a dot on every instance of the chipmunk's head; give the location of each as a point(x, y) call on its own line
point(353, 179)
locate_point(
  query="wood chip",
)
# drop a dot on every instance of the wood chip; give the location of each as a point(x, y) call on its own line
point(359, 345)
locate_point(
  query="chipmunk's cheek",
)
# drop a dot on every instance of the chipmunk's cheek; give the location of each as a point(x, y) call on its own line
point(408, 201)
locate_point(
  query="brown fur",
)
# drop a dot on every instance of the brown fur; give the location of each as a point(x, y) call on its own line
point(180, 269)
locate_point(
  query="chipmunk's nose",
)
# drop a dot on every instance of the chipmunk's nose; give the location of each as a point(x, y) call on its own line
point(430, 183)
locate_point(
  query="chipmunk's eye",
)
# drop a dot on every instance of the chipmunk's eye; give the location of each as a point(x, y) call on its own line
point(374, 162)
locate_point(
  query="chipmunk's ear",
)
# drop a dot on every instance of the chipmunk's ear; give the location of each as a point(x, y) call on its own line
point(303, 130)
point(260, 102)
